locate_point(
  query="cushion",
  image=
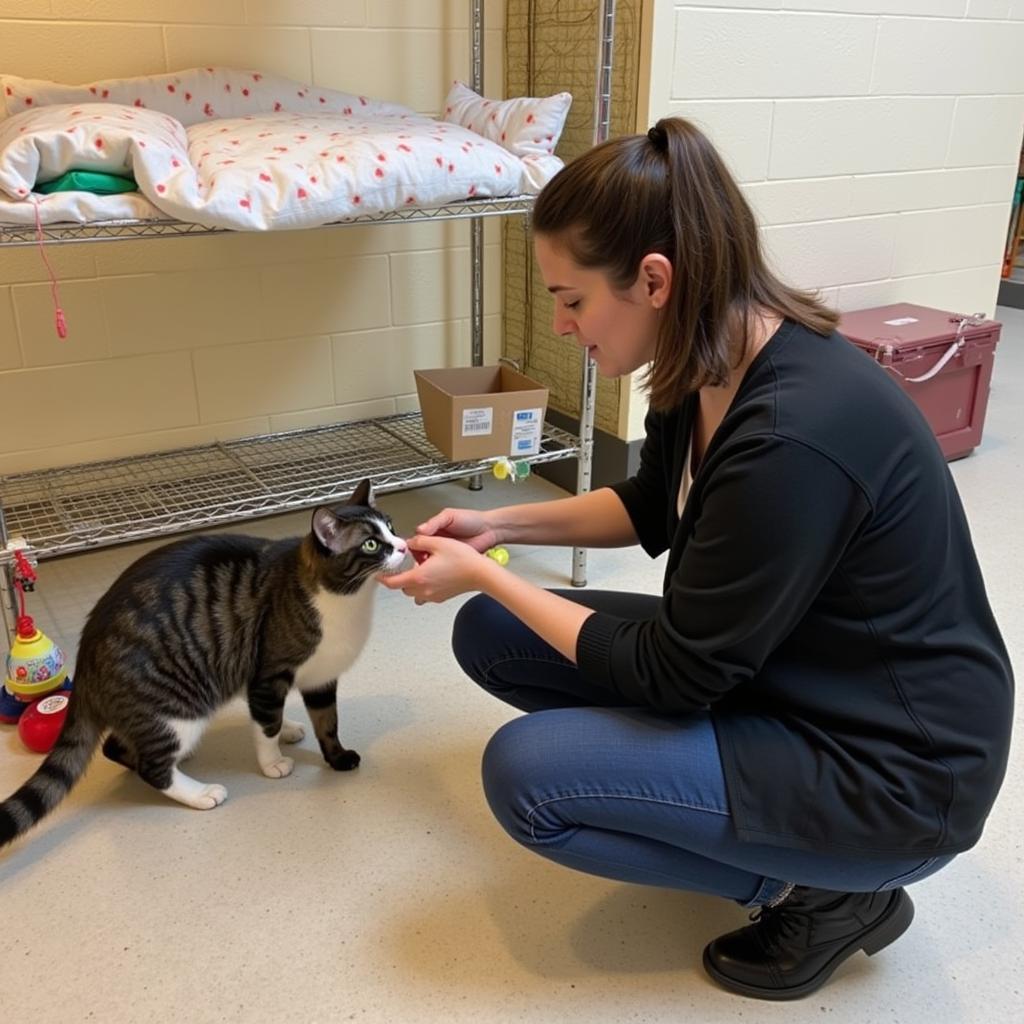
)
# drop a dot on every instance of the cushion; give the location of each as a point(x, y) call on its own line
point(192, 96)
point(525, 125)
point(41, 144)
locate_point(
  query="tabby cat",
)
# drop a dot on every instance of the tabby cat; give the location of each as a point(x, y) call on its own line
point(194, 623)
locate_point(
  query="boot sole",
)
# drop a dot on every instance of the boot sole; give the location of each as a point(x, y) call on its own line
point(889, 927)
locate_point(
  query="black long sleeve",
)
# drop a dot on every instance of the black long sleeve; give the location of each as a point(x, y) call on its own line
point(775, 518)
point(822, 597)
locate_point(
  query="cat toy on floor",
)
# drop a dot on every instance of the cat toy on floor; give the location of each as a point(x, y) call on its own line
point(34, 693)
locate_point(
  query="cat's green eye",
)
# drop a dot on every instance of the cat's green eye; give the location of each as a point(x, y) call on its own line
point(371, 546)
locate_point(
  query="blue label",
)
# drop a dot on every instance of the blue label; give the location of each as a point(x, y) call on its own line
point(524, 415)
point(523, 446)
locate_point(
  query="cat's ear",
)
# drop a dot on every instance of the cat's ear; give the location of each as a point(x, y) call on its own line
point(362, 495)
point(328, 529)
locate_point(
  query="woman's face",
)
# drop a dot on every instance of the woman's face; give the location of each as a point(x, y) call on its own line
point(617, 328)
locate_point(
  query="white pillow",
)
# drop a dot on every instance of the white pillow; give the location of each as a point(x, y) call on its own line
point(527, 126)
point(39, 145)
point(194, 95)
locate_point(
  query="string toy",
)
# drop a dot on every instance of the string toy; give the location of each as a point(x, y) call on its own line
point(58, 313)
point(24, 580)
point(36, 673)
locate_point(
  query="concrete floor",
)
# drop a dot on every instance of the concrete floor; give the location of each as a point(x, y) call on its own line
point(390, 894)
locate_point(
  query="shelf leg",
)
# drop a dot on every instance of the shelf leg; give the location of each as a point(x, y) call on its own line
point(8, 606)
point(602, 128)
point(476, 325)
point(585, 462)
point(8, 596)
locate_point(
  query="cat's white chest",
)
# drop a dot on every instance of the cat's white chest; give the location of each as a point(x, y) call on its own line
point(344, 625)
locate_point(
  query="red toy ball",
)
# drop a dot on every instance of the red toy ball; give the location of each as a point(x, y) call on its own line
point(41, 722)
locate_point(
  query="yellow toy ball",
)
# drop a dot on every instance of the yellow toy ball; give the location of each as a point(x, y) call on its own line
point(499, 555)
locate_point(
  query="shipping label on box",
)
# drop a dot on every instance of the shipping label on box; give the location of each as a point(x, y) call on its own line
point(527, 425)
point(477, 422)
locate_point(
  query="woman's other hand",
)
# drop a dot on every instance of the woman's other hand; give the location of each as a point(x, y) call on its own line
point(465, 524)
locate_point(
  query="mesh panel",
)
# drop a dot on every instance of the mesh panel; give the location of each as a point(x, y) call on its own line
point(551, 46)
point(84, 506)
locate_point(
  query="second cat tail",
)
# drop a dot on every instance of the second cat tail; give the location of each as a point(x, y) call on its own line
point(55, 777)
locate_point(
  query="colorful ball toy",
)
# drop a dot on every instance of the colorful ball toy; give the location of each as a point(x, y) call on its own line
point(42, 721)
point(35, 664)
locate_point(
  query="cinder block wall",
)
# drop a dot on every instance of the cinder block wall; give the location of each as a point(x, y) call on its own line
point(182, 341)
point(876, 139)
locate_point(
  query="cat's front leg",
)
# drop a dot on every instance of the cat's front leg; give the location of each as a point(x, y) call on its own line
point(266, 706)
point(322, 705)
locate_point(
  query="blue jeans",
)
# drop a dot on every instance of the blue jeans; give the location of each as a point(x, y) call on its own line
point(620, 791)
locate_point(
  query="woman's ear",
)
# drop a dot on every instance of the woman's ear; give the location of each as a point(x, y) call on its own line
point(656, 276)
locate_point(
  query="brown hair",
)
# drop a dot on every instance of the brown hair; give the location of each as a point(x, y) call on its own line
point(669, 192)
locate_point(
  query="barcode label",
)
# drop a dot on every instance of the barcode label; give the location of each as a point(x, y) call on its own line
point(477, 422)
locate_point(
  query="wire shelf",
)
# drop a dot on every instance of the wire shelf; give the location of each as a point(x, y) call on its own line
point(103, 231)
point(75, 508)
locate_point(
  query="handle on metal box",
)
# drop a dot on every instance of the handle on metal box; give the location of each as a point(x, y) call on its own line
point(959, 342)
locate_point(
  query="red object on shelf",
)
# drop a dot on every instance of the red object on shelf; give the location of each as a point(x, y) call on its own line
point(942, 360)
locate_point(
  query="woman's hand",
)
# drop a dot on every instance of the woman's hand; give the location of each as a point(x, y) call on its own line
point(451, 567)
point(465, 524)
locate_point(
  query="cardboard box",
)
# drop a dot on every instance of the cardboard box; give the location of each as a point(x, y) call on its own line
point(481, 412)
point(942, 360)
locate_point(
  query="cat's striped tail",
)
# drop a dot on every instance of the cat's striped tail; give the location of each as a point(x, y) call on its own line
point(63, 767)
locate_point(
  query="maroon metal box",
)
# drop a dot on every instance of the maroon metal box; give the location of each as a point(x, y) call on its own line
point(942, 360)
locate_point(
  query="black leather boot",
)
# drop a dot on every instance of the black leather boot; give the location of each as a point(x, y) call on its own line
point(792, 949)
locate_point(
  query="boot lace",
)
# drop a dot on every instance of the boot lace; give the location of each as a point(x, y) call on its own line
point(777, 924)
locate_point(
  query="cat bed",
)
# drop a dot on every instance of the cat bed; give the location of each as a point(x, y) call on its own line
point(248, 151)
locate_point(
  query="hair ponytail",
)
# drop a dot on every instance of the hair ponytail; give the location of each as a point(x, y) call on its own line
point(669, 192)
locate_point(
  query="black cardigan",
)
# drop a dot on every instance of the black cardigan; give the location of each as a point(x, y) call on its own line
point(823, 597)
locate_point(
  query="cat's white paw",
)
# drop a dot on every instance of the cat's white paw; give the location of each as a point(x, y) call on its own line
point(291, 732)
point(278, 768)
point(202, 796)
point(209, 797)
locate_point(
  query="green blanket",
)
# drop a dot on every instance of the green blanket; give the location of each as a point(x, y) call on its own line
point(89, 181)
